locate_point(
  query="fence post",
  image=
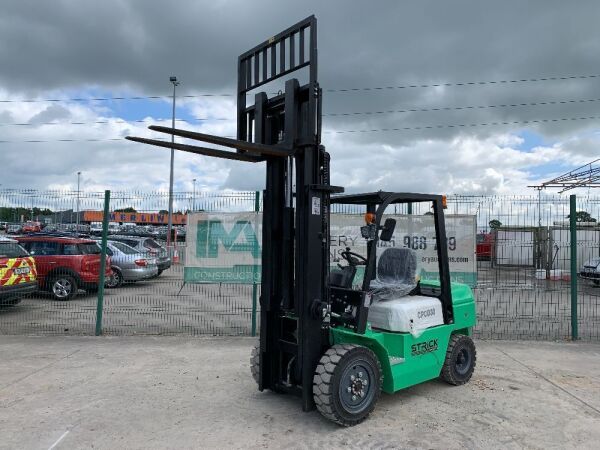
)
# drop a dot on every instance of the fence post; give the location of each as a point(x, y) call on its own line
point(573, 228)
point(100, 305)
point(254, 287)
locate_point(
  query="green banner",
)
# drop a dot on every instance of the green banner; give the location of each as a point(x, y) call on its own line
point(226, 247)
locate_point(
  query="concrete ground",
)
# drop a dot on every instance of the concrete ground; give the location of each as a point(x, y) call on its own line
point(147, 392)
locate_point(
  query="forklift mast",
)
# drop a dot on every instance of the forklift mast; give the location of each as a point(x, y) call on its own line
point(295, 208)
point(284, 130)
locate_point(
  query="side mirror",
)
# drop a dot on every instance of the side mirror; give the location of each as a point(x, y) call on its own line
point(388, 230)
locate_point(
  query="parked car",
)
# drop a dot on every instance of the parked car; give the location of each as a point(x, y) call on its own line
point(591, 270)
point(181, 233)
point(14, 228)
point(148, 247)
point(74, 228)
point(128, 264)
point(65, 264)
point(3, 226)
point(96, 229)
point(485, 244)
point(31, 227)
point(113, 228)
point(17, 272)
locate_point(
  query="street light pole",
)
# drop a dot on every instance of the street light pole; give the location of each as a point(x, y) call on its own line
point(194, 196)
point(170, 220)
point(78, 184)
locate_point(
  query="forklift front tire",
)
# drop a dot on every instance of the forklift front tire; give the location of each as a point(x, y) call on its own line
point(460, 360)
point(347, 384)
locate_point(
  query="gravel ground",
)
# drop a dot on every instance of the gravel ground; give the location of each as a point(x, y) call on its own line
point(147, 392)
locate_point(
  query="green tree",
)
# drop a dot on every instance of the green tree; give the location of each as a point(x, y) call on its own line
point(582, 216)
point(495, 223)
point(129, 209)
point(14, 214)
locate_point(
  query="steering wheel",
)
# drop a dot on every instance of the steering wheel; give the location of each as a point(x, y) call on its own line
point(354, 259)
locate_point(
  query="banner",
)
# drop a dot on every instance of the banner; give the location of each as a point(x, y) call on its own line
point(223, 248)
point(226, 247)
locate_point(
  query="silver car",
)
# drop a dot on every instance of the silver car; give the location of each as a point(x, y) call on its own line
point(128, 264)
point(591, 270)
point(148, 247)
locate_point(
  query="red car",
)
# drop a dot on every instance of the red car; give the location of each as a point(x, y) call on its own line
point(485, 244)
point(32, 227)
point(65, 264)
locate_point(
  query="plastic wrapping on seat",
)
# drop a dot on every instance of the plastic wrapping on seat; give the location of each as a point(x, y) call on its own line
point(411, 314)
point(396, 274)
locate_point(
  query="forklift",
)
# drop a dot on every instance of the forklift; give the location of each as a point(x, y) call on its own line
point(326, 335)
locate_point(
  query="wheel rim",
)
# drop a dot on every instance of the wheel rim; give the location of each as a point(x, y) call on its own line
point(113, 280)
point(356, 389)
point(463, 361)
point(62, 288)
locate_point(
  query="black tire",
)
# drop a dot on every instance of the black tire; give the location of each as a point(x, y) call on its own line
point(115, 280)
point(358, 368)
point(255, 362)
point(461, 358)
point(63, 287)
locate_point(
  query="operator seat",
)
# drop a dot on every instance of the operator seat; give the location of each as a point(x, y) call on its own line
point(396, 274)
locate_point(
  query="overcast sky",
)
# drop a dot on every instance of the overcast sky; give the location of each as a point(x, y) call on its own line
point(114, 48)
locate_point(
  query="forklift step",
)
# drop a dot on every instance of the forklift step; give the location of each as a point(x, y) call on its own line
point(396, 360)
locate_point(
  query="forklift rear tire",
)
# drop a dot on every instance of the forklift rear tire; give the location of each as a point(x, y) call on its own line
point(255, 362)
point(347, 384)
point(461, 357)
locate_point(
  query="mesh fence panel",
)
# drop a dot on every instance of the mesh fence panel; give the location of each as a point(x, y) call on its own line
point(523, 267)
point(523, 286)
point(24, 211)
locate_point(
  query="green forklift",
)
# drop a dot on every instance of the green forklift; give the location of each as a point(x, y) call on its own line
point(400, 330)
point(386, 328)
point(335, 337)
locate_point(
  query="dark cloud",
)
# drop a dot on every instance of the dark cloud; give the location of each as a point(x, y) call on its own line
point(53, 48)
point(50, 113)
